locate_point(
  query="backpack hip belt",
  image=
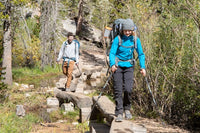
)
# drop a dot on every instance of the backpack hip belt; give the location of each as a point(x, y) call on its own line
point(69, 59)
point(132, 61)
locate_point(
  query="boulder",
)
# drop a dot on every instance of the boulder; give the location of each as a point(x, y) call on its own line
point(91, 33)
point(20, 110)
point(67, 107)
point(52, 102)
point(69, 26)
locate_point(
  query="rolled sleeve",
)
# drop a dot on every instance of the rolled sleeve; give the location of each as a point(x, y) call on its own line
point(113, 51)
point(77, 53)
point(141, 55)
point(60, 55)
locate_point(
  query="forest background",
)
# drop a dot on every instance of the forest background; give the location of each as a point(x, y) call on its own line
point(169, 32)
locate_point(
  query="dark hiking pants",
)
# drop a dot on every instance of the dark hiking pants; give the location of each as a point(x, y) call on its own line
point(123, 83)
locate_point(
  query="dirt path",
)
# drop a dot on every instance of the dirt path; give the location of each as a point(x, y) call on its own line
point(55, 128)
point(155, 126)
point(152, 125)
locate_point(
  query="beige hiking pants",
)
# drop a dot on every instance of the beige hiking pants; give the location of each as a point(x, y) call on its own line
point(67, 70)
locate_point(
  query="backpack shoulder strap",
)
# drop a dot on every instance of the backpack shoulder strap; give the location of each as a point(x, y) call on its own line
point(120, 40)
point(66, 43)
point(120, 43)
point(75, 43)
point(135, 38)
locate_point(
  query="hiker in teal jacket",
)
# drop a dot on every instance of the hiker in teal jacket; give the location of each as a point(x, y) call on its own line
point(121, 63)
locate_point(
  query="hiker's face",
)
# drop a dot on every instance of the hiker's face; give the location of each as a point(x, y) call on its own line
point(127, 32)
point(70, 38)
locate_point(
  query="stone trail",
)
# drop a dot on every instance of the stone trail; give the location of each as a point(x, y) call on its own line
point(92, 67)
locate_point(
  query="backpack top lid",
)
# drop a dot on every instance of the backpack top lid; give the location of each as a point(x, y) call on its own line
point(128, 24)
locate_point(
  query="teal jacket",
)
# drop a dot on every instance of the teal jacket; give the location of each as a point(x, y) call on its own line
point(124, 54)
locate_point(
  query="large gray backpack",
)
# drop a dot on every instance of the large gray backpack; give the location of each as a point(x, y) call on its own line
point(116, 30)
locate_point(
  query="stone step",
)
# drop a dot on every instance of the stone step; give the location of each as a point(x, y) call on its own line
point(126, 127)
point(89, 69)
point(107, 108)
point(81, 100)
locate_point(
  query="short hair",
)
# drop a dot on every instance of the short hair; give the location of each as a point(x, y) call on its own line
point(70, 34)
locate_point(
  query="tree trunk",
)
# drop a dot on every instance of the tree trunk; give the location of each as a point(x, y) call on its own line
point(7, 53)
point(48, 28)
point(80, 18)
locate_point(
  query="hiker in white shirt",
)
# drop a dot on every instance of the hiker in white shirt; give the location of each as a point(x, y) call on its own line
point(69, 52)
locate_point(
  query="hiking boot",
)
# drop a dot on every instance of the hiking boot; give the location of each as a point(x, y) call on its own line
point(128, 115)
point(119, 118)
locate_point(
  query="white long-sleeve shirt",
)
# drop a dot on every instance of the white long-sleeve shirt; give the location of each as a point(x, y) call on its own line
point(69, 51)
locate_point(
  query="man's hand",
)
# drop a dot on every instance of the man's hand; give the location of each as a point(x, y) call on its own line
point(113, 68)
point(57, 61)
point(143, 72)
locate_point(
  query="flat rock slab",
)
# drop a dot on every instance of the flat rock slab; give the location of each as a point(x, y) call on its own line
point(105, 106)
point(89, 69)
point(78, 99)
point(126, 127)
